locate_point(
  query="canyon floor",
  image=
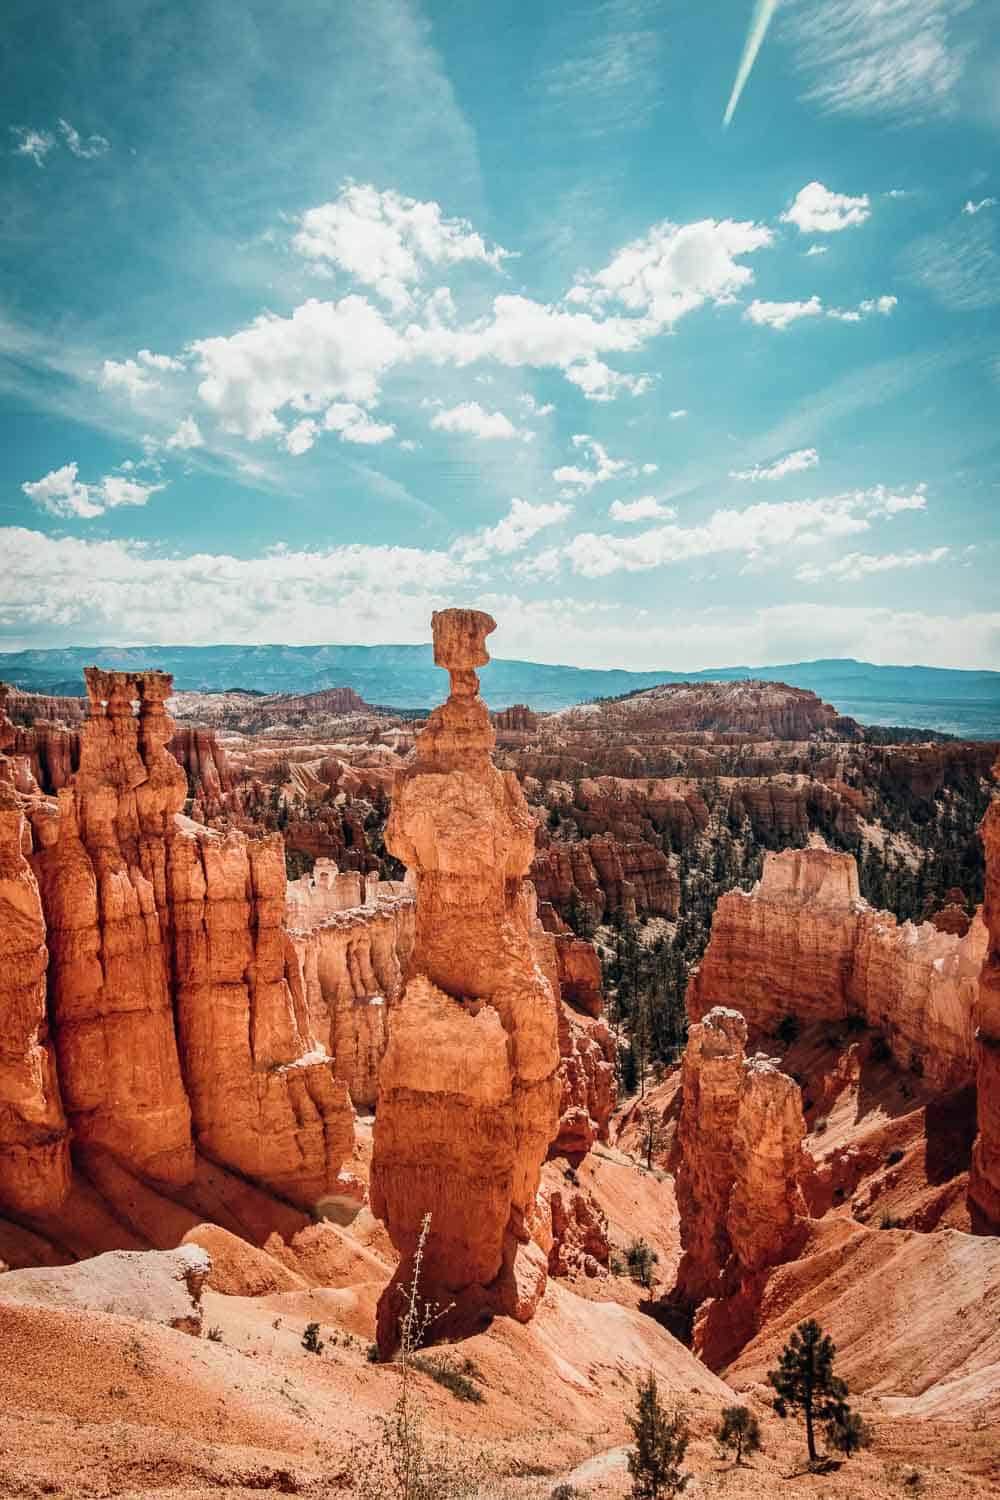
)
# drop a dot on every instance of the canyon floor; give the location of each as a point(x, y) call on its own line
point(100, 1403)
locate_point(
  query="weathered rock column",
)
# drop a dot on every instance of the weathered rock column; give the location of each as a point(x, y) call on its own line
point(468, 1090)
point(984, 1179)
point(34, 1140)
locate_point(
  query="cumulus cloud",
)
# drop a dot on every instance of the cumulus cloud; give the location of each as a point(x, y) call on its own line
point(134, 376)
point(186, 435)
point(532, 406)
point(474, 421)
point(521, 331)
point(976, 208)
point(675, 268)
point(387, 241)
point(817, 210)
point(604, 467)
point(792, 463)
point(35, 144)
point(322, 352)
point(599, 382)
point(675, 416)
point(817, 249)
point(757, 531)
point(86, 150)
point(62, 493)
point(883, 305)
point(351, 422)
point(782, 315)
point(522, 522)
point(646, 508)
point(855, 565)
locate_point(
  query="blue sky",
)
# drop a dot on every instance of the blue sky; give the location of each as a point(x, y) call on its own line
point(317, 317)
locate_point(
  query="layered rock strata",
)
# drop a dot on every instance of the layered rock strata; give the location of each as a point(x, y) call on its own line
point(353, 936)
point(156, 947)
point(803, 943)
point(984, 1179)
point(739, 1161)
point(469, 1087)
point(599, 876)
point(34, 1155)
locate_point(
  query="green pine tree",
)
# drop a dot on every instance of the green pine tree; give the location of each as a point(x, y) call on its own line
point(661, 1440)
point(805, 1380)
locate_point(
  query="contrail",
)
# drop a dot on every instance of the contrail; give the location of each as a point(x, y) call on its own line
point(760, 21)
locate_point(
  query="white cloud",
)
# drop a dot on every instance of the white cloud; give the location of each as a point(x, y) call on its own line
point(817, 210)
point(604, 467)
point(883, 305)
point(792, 463)
point(531, 405)
point(35, 144)
point(855, 565)
point(781, 315)
point(387, 241)
point(133, 376)
point(675, 416)
point(673, 269)
point(86, 150)
point(324, 351)
point(522, 522)
point(474, 421)
point(355, 425)
point(113, 590)
point(187, 435)
point(159, 361)
point(895, 58)
point(817, 249)
point(756, 532)
point(976, 208)
point(646, 508)
point(524, 332)
point(62, 493)
point(599, 382)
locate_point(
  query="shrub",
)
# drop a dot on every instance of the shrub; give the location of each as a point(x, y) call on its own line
point(215, 1334)
point(894, 1156)
point(848, 1432)
point(641, 1259)
point(661, 1440)
point(881, 1051)
point(454, 1378)
point(739, 1429)
point(788, 1029)
point(311, 1339)
point(888, 1222)
point(372, 1352)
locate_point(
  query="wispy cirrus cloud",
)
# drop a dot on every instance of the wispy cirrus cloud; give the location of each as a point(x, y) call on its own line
point(857, 565)
point(896, 58)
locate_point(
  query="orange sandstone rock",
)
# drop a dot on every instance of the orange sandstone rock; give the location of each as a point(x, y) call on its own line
point(984, 1179)
point(739, 1162)
point(468, 1089)
point(34, 1155)
point(803, 943)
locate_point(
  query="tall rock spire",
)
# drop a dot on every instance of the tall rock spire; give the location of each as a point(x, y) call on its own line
point(469, 1093)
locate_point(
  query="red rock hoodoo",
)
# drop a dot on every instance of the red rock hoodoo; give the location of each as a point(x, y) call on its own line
point(469, 1089)
point(984, 1179)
